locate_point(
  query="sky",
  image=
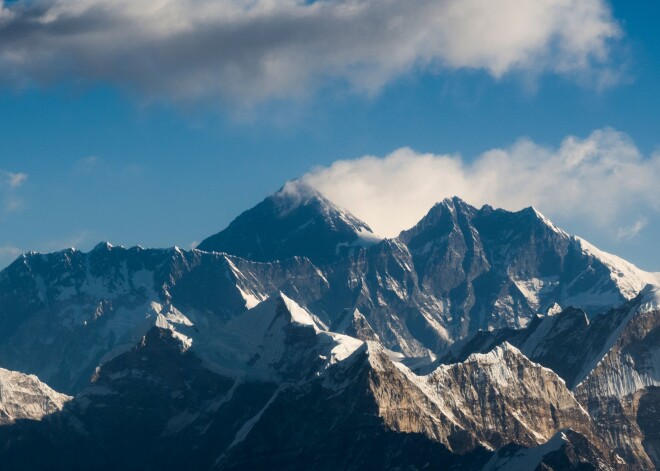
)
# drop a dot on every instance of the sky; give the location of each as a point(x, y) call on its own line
point(156, 122)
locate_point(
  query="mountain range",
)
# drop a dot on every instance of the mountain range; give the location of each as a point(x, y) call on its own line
point(297, 338)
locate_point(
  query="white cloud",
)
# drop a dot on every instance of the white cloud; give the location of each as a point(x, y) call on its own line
point(598, 180)
point(16, 179)
point(10, 182)
point(248, 51)
point(630, 232)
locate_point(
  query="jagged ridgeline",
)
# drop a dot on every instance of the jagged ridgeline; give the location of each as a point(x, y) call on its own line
point(297, 338)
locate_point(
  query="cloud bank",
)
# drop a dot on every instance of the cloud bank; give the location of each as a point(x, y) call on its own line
point(601, 180)
point(250, 51)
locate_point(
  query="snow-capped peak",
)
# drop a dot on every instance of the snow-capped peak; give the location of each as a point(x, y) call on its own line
point(295, 221)
point(102, 246)
point(296, 193)
point(495, 355)
point(628, 278)
point(548, 222)
point(650, 298)
point(26, 397)
point(299, 315)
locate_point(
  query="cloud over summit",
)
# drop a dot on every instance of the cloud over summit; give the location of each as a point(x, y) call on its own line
point(250, 51)
point(602, 180)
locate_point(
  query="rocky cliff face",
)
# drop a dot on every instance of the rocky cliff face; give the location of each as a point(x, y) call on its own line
point(611, 364)
point(500, 268)
point(621, 390)
point(25, 397)
point(506, 398)
point(567, 450)
point(181, 412)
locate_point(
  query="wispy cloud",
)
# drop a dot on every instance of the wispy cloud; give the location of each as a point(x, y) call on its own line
point(10, 182)
point(600, 179)
point(630, 232)
point(16, 179)
point(106, 168)
point(8, 253)
point(87, 164)
point(248, 51)
point(75, 240)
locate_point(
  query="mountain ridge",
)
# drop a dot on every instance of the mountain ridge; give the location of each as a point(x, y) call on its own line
point(455, 339)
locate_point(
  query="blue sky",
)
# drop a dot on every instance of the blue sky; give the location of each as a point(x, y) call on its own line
point(102, 141)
